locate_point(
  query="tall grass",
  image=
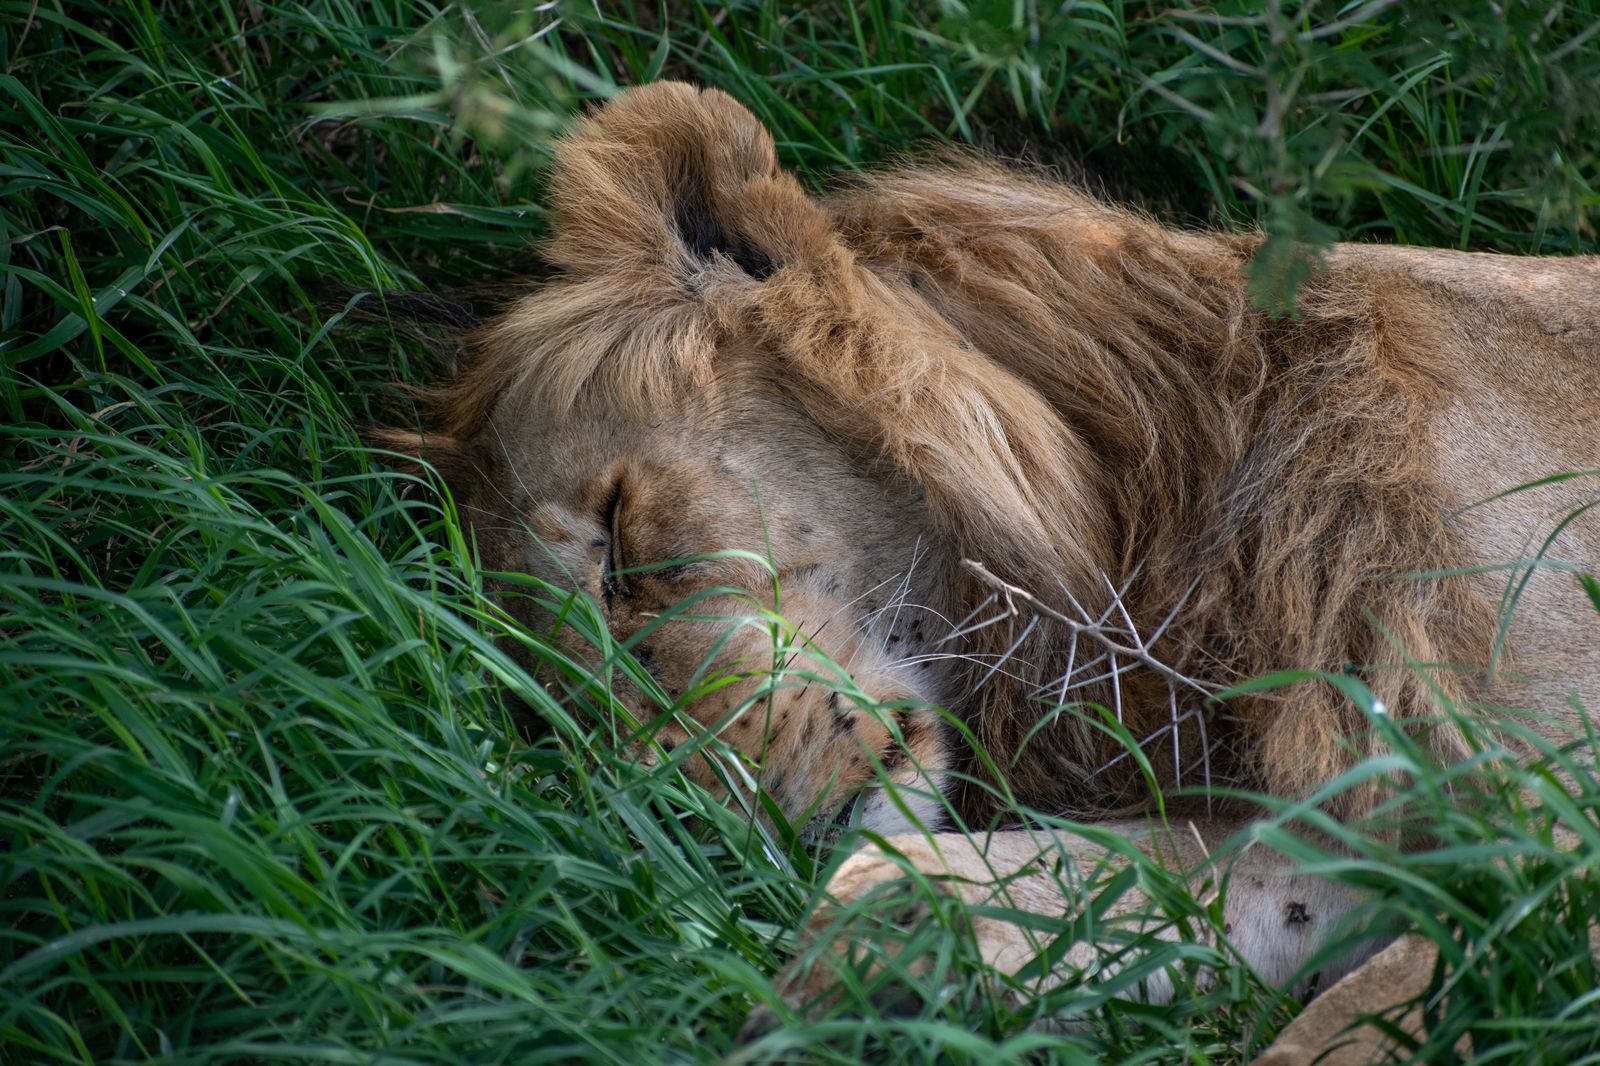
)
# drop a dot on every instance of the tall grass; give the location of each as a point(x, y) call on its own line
point(262, 797)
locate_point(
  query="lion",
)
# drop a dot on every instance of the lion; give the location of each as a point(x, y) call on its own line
point(950, 388)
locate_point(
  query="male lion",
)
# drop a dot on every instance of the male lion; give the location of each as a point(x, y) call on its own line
point(960, 363)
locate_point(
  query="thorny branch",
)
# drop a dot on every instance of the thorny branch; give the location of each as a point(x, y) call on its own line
point(1122, 648)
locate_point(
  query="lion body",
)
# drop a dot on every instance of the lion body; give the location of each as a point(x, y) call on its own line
point(963, 363)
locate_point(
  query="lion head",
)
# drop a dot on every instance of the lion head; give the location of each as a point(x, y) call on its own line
point(715, 402)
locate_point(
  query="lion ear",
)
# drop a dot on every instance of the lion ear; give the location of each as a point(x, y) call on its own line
point(412, 453)
point(670, 179)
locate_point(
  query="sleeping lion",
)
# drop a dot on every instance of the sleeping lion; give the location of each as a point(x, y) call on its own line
point(987, 444)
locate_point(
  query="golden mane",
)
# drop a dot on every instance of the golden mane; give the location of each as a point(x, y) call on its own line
point(1270, 481)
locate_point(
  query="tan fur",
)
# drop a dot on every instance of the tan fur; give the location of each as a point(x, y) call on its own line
point(1040, 872)
point(1333, 1030)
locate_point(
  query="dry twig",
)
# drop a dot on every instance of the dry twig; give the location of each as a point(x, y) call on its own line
point(1121, 646)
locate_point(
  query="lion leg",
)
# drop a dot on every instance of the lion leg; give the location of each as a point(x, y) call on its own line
point(1275, 918)
point(1331, 1031)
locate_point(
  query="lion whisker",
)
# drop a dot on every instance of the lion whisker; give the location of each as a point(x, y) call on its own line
point(852, 601)
point(1006, 655)
point(964, 631)
point(975, 659)
point(499, 439)
point(941, 616)
point(899, 599)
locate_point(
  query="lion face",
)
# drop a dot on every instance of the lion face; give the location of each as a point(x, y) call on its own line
point(694, 534)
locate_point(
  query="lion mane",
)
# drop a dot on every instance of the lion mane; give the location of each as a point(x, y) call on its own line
point(1086, 400)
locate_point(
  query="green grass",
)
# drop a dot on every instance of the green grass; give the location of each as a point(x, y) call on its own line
point(261, 798)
